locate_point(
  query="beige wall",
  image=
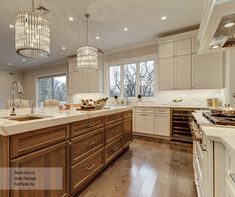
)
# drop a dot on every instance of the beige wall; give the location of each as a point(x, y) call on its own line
point(6, 80)
point(30, 78)
point(132, 53)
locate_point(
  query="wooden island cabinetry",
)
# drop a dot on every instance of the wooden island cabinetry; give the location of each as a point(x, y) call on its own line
point(82, 149)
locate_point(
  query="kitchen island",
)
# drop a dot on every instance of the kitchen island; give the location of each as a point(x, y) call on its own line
point(214, 158)
point(79, 143)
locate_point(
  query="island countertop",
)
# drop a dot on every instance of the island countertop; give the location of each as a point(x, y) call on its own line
point(53, 117)
point(217, 133)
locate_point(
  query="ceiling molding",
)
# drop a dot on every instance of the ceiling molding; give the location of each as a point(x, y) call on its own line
point(178, 31)
point(10, 68)
point(130, 47)
point(45, 65)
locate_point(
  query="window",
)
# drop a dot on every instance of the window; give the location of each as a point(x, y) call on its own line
point(115, 81)
point(52, 87)
point(131, 79)
point(147, 78)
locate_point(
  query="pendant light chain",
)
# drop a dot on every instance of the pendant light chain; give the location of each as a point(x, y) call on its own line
point(87, 56)
point(87, 36)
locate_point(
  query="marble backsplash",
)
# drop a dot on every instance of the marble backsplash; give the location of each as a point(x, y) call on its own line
point(189, 97)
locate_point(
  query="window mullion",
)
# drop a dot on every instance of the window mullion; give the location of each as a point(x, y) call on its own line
point(137, 78)
point(52, 87)
point(122, 80)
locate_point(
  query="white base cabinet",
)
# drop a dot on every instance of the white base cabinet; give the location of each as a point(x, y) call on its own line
point(144, 123)
point(162, 122)
point(153, 121)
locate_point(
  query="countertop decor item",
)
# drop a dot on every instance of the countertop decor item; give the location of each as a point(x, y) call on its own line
point(32, 34)
point(139, 97)
point(87, 56)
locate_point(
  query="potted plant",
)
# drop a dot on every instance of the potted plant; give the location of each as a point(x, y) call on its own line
point(139, 97)
point(116, 99)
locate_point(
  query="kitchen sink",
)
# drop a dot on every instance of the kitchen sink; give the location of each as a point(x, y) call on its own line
point(25, 117)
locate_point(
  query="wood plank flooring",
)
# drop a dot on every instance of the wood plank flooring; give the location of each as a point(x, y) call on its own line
point(147, 169)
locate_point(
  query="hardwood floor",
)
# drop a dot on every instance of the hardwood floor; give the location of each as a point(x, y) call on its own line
point(147, 169)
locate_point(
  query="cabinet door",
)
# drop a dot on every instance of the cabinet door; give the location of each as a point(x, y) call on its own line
point(183, 72)
point(208, 71)
point(75, 82)
point(127, 131)
point(166, 74)
point(195, 45)
point(183, 47)
point(162, 124)
point(90, 82)
point(56, 156)
point(166, 50)
point(144, 123)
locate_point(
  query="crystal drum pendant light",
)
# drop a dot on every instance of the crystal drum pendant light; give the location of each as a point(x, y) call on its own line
point(87, 56)
point(32, 34)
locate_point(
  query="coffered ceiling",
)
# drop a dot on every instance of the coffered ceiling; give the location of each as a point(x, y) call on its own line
point(108, 20)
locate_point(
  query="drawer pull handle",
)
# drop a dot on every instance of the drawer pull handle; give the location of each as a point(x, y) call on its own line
point(91, 125)
point(91, 143)
point(91, 167)
point(115, 148)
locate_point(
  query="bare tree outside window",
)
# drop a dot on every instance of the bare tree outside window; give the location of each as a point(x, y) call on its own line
point(115, 81)
point(130, 80)
point(52, 87)
point(126, 80)
point(147, 78)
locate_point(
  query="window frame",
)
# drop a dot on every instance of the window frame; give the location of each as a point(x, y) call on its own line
point(51, 76)
point(136, 61)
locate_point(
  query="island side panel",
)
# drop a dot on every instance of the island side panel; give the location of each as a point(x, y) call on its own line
point(4, 163)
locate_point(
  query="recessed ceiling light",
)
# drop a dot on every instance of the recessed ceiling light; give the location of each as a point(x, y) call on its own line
point(97, 37)
point(63, 48)
point(125, 29)
point(23, 60)
point(71, 18)
point(11, 26)
point(163, 18)
point(10, 64)
point(215, 47)
point(229, 24)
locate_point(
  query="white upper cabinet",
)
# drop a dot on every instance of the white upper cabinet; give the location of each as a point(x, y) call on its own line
point(75, 82)
point(85, 82)
point(195, 45)
point(183, 72)
point(166, 50)
point(183, 47)
point(208, 71)
point(166, 74)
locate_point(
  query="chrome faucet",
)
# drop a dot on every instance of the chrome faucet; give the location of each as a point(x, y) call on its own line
point(16, 85)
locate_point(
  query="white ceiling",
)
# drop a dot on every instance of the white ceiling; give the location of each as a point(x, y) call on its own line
point(108, 18)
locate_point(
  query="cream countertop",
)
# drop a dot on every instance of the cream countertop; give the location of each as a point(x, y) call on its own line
point(172, 106)
point(223, 134)
point(55, 117)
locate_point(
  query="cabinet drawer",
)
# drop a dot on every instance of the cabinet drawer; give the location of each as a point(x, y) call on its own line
point(113, 149)
point(145, 110)
point(28, 142)
point(110, 119)
point(84, 145)
point(85, 170)
point(162, 110)
point(113, 131)
point(84, 126)
point(127, 114)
